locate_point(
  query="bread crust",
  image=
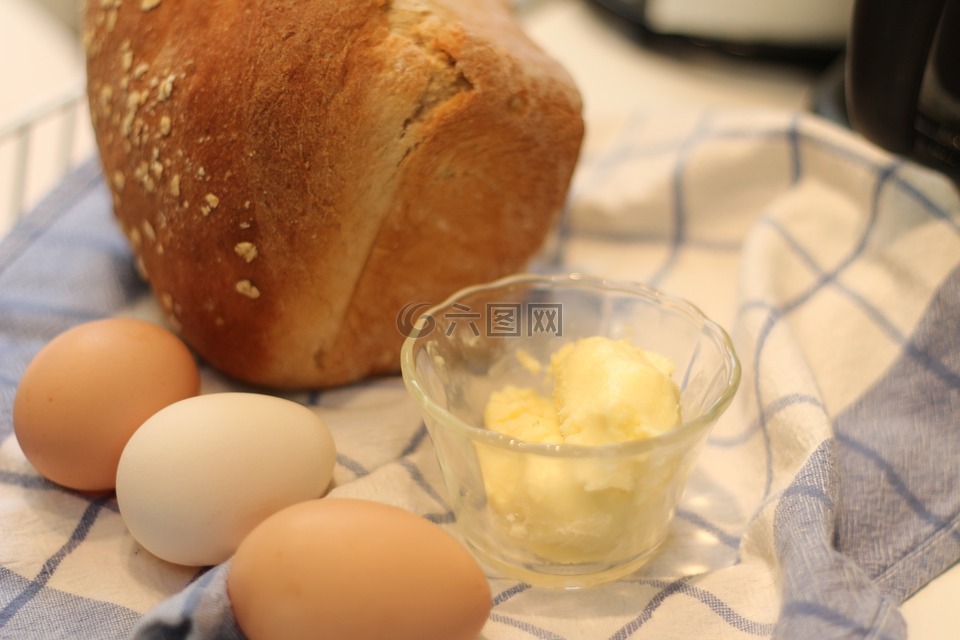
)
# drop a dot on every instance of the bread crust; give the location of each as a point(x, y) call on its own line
point(291, 174)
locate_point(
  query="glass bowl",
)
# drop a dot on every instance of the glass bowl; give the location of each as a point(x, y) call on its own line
point(561, 515)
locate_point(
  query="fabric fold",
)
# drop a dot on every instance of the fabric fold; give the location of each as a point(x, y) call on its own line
point(825, 496)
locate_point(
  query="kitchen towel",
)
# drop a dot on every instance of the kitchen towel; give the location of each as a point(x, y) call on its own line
point(825, 496)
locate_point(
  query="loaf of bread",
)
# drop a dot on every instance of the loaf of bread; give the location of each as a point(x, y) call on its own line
point(291, 174)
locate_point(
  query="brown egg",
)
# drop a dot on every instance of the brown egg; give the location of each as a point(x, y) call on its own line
point(357, 570)
point(86, 392)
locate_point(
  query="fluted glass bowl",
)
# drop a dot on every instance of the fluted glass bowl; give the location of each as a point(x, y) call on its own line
point(561, 515)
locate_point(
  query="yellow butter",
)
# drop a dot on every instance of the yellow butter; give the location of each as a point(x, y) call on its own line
point(604, 391)
point(572, 510)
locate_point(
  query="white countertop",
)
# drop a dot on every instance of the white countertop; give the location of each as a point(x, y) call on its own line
point(43, 69)
point(616, 75)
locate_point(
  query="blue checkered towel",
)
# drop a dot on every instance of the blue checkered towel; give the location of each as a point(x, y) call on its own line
point(827, 494)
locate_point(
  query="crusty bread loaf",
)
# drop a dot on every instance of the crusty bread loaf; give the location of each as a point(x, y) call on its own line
point(292, 174)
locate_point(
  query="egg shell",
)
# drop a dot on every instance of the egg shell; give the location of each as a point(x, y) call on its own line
point(357, 569)
point(86, 391)
point(200, 474)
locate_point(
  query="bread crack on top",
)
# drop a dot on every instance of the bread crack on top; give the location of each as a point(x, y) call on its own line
point(290, 175)
point(440, 89)
point(415, 21)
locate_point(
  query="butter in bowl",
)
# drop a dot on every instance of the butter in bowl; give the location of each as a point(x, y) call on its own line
point(567, 413)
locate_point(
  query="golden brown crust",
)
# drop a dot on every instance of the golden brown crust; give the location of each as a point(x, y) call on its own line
point(292, 174)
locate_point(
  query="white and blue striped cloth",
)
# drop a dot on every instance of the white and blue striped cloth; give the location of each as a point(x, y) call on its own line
point(828, 493)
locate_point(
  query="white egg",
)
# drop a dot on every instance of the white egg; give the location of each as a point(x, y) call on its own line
point(200, 474)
